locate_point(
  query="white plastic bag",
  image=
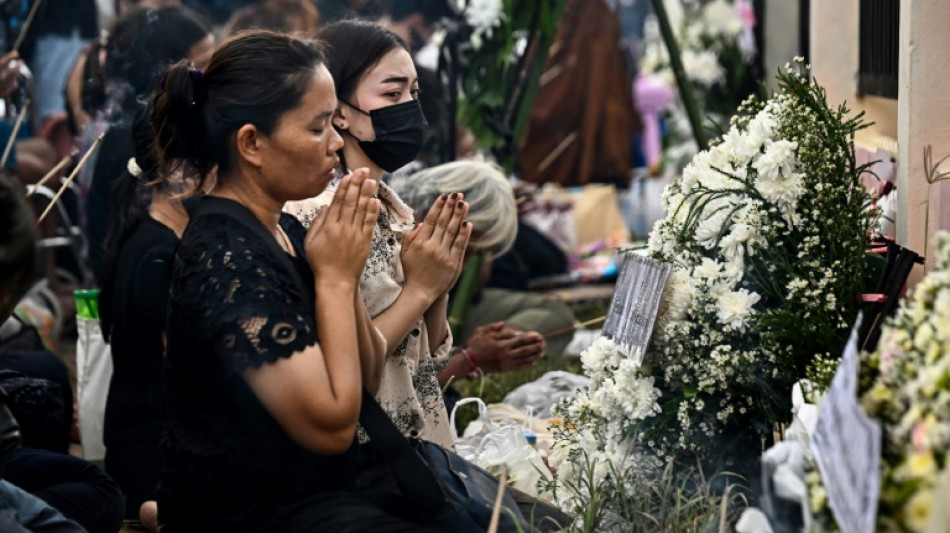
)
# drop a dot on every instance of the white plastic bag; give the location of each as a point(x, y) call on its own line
point(93, 373)
point(504, 445)
point(543, 393)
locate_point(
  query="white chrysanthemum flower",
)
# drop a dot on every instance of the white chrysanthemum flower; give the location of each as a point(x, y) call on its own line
point(734, 270)
point(778, 160)
point(734, 308)
point(709, 229)
point(708, 269)
point(720, 18)
point(703, 67)
point(784, 192)
point(678, 295)
point(483, 16)
point(763, 125)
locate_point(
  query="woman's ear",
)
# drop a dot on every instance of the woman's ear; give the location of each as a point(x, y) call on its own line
point(250, 144)
point(340, 120)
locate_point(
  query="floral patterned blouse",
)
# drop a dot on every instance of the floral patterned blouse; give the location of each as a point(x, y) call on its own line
point(409, 391)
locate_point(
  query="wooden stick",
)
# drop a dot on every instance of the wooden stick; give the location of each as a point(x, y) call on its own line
point(69, 180)
point(16, 129)
point(575, 327)
point(63, 163)
point(26, 25)
point(496, 512)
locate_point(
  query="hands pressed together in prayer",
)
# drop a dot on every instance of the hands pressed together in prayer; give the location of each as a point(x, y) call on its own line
point(498, 347)
point(349, 219)
point(433, 255)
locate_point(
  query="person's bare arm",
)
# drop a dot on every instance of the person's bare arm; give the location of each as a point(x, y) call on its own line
point(315, 395)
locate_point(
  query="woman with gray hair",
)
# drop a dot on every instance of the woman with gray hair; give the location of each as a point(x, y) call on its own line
point(491, 200)
point(501, 328)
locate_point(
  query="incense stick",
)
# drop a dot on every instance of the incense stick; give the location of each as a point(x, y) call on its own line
point(26, 25)
point(575, 327)
point(52, 173)
point(496, 511)
point(69, 180)
point(12, 140)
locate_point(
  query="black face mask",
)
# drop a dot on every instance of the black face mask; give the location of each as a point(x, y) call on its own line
point(400, 133)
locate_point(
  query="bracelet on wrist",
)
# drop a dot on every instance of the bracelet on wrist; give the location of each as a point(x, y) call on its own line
point(472, 362)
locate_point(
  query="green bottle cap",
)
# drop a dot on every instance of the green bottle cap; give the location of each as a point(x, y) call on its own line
point(87, 303)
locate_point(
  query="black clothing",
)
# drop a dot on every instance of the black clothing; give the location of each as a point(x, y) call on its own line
point(532, 256)
point(233, 306)
point(72, 486)
point(133, 419)
point(61, 17)
point(111, 162)
point(39, 386)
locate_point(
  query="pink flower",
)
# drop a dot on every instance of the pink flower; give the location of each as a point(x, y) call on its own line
point(919, 438)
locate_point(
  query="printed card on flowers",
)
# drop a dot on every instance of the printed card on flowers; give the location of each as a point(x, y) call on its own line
point(635, 304)
point(847, 447)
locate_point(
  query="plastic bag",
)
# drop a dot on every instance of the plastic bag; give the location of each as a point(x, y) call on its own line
point(93, 373)
point(543, 393)
point(504, 445)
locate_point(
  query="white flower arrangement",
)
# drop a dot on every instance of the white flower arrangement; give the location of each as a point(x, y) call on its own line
point(910, 395)
point(766, 232)
point(748, 229)
point(905, 385)
point(710, 35)
point(595, 442)
point(707, 30)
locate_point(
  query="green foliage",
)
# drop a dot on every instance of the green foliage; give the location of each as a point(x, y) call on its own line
point(499, 81)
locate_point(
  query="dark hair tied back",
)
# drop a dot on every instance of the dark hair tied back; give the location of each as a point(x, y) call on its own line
point(181, 135)
point(253, 78)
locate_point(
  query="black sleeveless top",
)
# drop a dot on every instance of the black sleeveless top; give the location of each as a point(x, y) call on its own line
point(234, 306)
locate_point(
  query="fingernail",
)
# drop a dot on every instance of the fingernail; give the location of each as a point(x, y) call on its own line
point(455, 195)
point(460, 205)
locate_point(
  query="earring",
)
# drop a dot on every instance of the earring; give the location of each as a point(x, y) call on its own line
point(341, 125)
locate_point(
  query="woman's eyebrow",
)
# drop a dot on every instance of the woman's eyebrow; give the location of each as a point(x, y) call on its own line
point(396, 79)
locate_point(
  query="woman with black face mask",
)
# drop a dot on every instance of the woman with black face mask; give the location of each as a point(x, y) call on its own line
point(410, 269)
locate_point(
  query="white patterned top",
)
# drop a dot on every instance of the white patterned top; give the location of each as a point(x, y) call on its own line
point(409, 391)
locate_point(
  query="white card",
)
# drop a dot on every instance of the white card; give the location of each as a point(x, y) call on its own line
point(847, 447)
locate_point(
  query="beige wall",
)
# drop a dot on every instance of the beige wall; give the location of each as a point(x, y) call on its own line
point(919, 117)
point(924, 107)
point(781, 36)
point(834, 59)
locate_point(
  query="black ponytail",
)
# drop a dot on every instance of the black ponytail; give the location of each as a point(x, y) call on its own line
point(253, 78)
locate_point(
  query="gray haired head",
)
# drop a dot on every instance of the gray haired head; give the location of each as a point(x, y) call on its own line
point(492, 210)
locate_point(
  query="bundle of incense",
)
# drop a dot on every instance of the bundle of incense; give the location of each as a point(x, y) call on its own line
point(26, 25)
point(69, 180)
point(63, 163)
point(575, 327)
point(16, 129)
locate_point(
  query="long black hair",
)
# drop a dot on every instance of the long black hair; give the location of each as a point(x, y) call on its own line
point(128, 207)
point(17, 246)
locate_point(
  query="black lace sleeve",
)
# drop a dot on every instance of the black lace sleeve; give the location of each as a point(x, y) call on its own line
point(241, 297)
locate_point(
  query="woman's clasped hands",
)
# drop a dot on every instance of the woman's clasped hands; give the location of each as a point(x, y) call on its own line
point(433, 254)
point(338, 241)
